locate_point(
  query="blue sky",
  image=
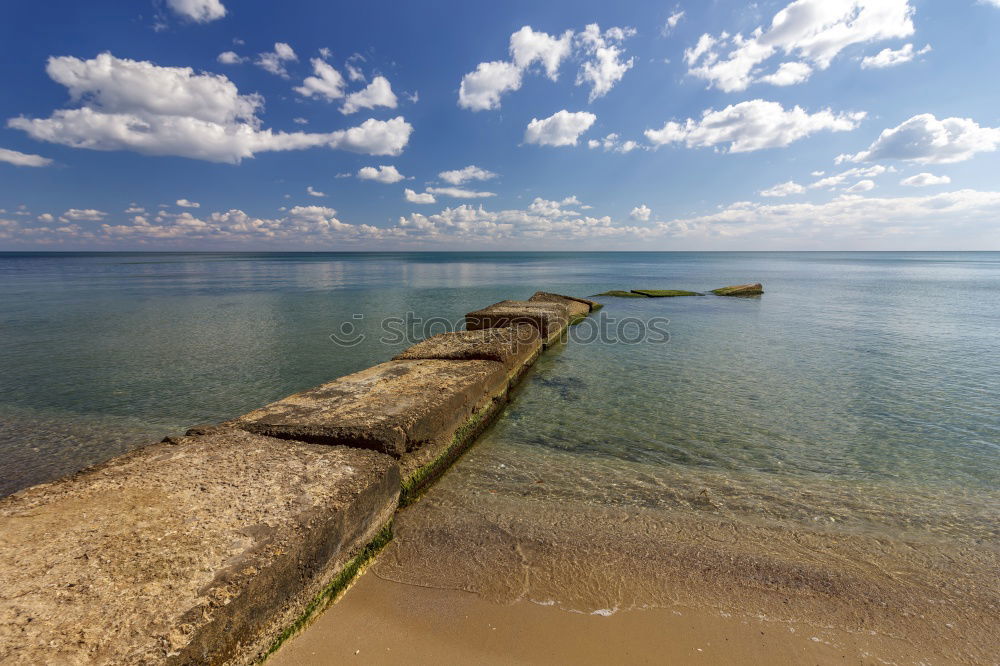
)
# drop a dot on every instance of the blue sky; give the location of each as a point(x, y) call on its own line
point(252, 125)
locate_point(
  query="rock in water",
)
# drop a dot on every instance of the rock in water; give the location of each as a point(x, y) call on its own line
point(755, 289)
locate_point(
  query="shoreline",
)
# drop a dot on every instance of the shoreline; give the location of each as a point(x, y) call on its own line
point(379, 621)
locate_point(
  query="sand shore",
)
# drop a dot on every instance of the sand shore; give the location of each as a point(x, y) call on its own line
point(384, 622)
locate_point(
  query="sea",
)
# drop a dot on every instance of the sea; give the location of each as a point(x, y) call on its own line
point(836, 439)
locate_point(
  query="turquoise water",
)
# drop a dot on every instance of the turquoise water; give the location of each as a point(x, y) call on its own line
point(857, 368)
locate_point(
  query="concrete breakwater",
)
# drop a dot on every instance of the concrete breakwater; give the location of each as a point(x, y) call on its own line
point(216, 546)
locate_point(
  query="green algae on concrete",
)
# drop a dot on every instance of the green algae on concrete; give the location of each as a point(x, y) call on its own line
point(665, 293)
point(333, 590)
point(619, 293)
point(753, 289)
point(196, 550)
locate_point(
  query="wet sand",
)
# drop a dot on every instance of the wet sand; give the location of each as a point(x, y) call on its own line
point(383, 622)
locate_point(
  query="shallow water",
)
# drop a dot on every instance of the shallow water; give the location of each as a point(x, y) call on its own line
point(838, 435)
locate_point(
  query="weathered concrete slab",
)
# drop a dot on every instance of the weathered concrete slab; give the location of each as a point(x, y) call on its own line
point(754, 289)
point(199, 551)
point(515, 347)
point(414, 410)
point(549, 318)
point(578, 307)
point(665, 293)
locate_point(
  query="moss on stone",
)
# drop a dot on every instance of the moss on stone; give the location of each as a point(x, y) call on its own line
point(755, 289)
point(334, 589)
point(414, 484)
point(665, 293)
point(618, 293)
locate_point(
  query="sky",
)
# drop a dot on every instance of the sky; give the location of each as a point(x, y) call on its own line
point(520, 125)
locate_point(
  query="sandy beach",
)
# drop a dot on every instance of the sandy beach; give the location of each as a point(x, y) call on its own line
point(382, 622)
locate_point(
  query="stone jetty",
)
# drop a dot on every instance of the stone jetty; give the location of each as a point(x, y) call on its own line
point(214, 547)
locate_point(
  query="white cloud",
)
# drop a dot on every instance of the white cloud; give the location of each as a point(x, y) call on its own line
point(836, 180)
point(752, 125)
point(528, 47)
point(23, 159)
point(300, 121)
point(354, 73)
point(314, 192)
point(788, 74)
point(602, 67)
point(46, 217)
point(184, 203)
point(481, 90)
point(422, 198)
point(383, 174)
point(465, 174)
point(672, 21)
point(328, 82)
point(83, 215)
point(783, 190)
point(813, 31)
point(890, 58)
point(641, 213)
point(459, 193)
point(560, 129)
point(230, 58)
point(139, 106)
point(606, 67)
point(378, 93)
point(274, 61)
point(861, 186)
point(134, 209)
point(612, 143)
point(926, 140)
point(925, 179)
point(201, 11)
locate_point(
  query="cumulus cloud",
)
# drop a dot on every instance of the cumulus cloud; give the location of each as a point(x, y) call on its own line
point(23, 159)
point(641, 213)
point(812, 31)
point(783, 190)
point(605, 67)
point(890, 58)
point(924, 180)
point(422, 198)
point(752, 125)
point(83, 215)
point(465, 174)
point(378, 93)
point(382, 174)
point(926, 140)
point(274, 61)
point(836, 180)
point(327, 82)
point(201, 11)
point(184, 203)
point(602, 66)
point(788, 74)
point(562, 128)
point(528, 47)
point(459, 193)
point(481, 90)
point(154, 110)
point(230, 58)
point(613, 143)
point(314, 192)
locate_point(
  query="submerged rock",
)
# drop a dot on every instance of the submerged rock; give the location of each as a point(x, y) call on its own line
point(665, 293)
point(754, 289)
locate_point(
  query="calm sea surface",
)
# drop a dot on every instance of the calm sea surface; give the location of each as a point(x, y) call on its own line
point(878, 369)
point(828, 452)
